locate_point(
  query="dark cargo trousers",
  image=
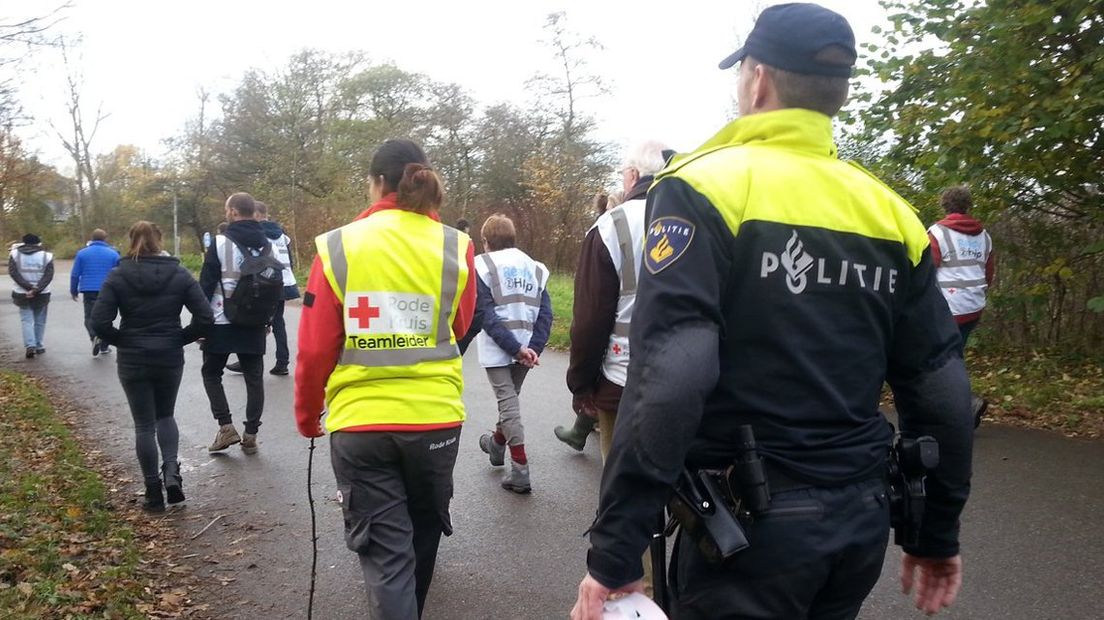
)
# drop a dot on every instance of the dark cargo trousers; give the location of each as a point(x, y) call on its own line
point(815, 554)
point(395, 488)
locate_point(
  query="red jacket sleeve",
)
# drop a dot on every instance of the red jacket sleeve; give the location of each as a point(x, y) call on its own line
point(936, 253)
point(466, 310)
point(321, 336)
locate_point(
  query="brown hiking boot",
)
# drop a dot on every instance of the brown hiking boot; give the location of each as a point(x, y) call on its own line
point(226, 437)
point(249, 443)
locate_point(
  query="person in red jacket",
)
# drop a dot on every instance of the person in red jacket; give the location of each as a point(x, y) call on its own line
point(394, 409)
point(962, 252)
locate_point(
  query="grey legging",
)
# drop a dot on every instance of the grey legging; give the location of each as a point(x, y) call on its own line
point(151, 392)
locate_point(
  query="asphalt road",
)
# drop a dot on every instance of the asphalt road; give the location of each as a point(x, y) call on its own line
point(1031, 533)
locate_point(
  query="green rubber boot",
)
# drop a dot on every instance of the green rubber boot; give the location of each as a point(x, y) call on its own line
point(576, 436)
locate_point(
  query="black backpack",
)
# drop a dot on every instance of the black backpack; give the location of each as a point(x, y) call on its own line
point(260, 288)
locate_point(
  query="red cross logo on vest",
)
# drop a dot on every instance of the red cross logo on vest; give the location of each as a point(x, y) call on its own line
point(617, 349)
point(364, 312)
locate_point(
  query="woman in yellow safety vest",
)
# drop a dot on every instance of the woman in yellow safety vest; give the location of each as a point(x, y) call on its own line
point(388, 297)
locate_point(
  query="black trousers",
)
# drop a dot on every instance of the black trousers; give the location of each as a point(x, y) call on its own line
point(89, 298)
point(279, 332)
point(815, 554)
point(252, 367)
point(151, 393)
point(396, 488)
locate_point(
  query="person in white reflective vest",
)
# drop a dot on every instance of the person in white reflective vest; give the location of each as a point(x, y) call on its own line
point(516, 313)
point(281, 249)
point(962, 252)
point(605, 291)
point(31, 269)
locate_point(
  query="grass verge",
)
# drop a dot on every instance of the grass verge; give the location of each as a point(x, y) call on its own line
point(64, 551)
point(561, 288)
point(1041, 389)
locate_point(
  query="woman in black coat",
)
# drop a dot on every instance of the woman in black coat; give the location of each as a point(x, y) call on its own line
point(148, 289)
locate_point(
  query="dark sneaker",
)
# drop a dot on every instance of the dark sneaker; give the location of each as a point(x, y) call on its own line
point(97, 346)
point(279, 369)
point(30, 352)
point(249, 443)
point(494, 450)
point(226, 437)
point(234, 367)
point(979, 406)
point(105, 349)
point(40, 350)
point(517, 479)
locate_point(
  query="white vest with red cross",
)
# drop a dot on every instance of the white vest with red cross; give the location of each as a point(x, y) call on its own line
point(961, 272)
point(622, 232)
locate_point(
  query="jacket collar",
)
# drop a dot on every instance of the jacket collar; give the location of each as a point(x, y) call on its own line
point(791, 129)
point(639, 190)
point(386, 203)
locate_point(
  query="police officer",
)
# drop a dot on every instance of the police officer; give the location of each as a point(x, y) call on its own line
point(387, 299)
point(781, 287)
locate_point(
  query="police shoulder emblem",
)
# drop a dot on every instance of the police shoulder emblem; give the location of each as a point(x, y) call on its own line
point(668, 238)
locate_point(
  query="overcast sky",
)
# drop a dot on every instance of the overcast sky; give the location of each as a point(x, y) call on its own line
point(144, 60)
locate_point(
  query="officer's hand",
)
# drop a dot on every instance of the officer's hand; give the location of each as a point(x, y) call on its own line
point(592, 595)
point(937, 581)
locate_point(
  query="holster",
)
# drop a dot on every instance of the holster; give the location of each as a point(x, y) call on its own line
point(700, 505)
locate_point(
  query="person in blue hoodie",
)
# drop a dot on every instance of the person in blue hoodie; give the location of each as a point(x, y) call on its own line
point(90, 269)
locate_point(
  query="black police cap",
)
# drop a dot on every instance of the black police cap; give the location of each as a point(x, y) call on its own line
point(789, 37)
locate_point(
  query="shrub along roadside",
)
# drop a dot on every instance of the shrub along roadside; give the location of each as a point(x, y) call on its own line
point(1041, 389)
point(64, 550)
point(1037, 389)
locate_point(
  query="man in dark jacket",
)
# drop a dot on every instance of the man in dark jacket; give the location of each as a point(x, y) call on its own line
point(281, 246)
point(217, 279)
point(31, 269)
point(604, 294)
point(90, 269)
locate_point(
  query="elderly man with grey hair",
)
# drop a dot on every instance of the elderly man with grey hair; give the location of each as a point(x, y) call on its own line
point(605, 289)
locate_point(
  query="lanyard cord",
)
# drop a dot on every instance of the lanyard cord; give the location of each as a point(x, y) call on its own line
point(314, 531)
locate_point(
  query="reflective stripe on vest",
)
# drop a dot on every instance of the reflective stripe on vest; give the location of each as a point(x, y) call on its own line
point(625, 242)
point(622, 232)
point(961, 273)
point(282, 251)
point(445, 349)
point(517, 299)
